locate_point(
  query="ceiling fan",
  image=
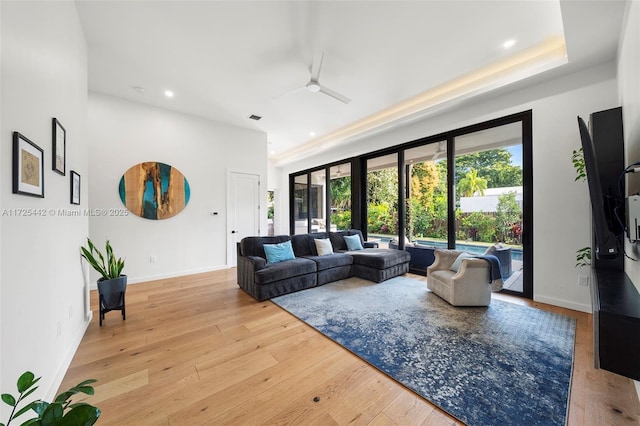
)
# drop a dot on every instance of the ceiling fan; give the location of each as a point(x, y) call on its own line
point(314, 83)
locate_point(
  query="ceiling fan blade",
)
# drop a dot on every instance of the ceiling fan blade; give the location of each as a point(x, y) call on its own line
point(290, 92)
point(316, 67)
point(334, 94)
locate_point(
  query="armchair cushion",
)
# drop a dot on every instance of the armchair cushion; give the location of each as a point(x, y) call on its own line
point(455, 266)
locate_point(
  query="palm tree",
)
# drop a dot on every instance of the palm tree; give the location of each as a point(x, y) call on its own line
point(471, 184)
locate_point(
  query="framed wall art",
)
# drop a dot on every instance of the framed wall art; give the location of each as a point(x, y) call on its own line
point(28, 167)
point(59, 151)
point(75, 188)
point(154, 190)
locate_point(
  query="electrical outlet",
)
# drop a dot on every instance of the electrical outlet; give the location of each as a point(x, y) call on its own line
point(153, 258)
point(583, 280)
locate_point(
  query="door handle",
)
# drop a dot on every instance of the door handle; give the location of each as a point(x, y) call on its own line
point(233, 232)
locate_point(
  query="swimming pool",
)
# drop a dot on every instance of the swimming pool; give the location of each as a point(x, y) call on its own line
point(516, 253)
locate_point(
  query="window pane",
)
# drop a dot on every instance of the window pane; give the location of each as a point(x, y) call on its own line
point(300, 213)
point(489, 191)
point(318, 205)
point(340, 193)
point(382, 199)
point(426, 211)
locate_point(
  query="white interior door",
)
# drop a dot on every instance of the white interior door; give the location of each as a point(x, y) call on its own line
point(244, 211)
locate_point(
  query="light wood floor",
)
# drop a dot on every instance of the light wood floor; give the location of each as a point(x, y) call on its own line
point(197, 350)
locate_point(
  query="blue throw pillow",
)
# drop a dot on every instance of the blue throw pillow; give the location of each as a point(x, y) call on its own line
point(353, 242)
point(278, 252)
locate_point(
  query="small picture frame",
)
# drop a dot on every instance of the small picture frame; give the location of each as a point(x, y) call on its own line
point(59, 151)
point(28, 167)
point(75, 188)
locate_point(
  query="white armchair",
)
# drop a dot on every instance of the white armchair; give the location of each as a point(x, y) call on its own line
point(469, 286)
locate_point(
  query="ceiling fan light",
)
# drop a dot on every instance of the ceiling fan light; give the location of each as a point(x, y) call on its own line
point(313, 87)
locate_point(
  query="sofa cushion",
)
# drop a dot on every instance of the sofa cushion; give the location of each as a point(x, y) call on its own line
point(304, 244)
point(353, 242)
point(333, 260)
point(323, 246)
point(337, 238)
point(273, 272)
point(278, 252)
point(253, 246)
point(380, 258)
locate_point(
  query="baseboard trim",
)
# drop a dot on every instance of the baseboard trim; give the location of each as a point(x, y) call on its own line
point(144, 279)
point(563, 304)
point(52, 392)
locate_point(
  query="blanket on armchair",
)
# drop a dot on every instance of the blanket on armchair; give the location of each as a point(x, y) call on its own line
point(495, 277)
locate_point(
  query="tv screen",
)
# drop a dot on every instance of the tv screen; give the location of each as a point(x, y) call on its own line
point(606, 246)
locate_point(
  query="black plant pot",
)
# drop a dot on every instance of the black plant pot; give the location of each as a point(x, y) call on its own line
point(111, 294)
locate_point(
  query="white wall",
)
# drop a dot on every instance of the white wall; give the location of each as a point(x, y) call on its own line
point(629, 92)
point(44, 75)
point(561, 206)
point(122, 134)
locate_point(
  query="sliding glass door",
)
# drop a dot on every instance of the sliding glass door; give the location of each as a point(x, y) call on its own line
point(489, 197)
point(426, 194)
point(469, 189)
point(382, 199)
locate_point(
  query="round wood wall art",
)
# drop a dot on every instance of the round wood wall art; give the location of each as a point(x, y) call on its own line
point(154, 190)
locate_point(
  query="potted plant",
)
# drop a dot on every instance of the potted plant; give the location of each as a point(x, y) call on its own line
point(112, 285)
point(59, 412)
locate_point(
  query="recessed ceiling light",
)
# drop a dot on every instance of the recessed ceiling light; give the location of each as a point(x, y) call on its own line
point(312, 133)
point(139, 89)
point(168, 93)
point(509, 43)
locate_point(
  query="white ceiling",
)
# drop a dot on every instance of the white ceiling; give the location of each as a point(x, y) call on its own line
point(226, 60)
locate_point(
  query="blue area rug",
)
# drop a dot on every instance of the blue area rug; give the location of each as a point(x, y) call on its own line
point(505, 364)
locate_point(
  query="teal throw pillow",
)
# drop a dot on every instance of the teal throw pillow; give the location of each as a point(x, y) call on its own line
point(353, 242)
point(455, 266)
point(278, 252)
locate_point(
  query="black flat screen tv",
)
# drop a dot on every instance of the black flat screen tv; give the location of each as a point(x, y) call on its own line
point(606, 244)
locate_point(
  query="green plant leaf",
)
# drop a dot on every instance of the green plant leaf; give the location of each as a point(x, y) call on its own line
point(81, 415)
point(26, 408)
point(33, 422)
point(86, 382)
point(64, 396)
point(9, 399)
point(26, 381)
point(39, 407)
point(29, 392)
point(53, 414)
point(85, 389)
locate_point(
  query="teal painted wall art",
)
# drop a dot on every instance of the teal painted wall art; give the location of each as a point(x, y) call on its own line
point(154, 190)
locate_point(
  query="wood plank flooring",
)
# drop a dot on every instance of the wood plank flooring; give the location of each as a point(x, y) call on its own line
point(197, 350)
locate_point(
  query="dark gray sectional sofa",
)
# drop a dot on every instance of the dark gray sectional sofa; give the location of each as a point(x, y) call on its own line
point(264, 280)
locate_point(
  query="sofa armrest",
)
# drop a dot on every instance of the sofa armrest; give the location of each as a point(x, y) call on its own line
point(370, 244)
point(254, 262)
